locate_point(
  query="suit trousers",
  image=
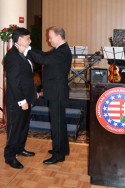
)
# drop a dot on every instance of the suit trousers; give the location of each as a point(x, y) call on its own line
point(17, 130)
point(60, 143)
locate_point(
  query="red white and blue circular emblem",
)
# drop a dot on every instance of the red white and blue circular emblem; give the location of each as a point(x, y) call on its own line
point(110, 110)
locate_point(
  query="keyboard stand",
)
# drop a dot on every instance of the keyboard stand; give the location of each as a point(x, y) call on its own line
point(80, 73)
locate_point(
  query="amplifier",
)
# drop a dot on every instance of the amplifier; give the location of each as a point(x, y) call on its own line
point(99, 75)
point(122, 74)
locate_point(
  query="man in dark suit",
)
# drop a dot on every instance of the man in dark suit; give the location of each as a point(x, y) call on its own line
point(57, 64)
point(20, 95)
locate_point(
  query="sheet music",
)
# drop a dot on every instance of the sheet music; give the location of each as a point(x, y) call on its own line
point(108, 53)
point(79, 50)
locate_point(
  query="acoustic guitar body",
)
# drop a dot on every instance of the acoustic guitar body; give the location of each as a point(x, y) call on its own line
point(114, 76)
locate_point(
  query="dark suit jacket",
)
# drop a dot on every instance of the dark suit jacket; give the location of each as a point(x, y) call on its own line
point(19, 78)
point(57, 64)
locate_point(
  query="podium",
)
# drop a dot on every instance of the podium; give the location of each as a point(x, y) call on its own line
point(107, 135)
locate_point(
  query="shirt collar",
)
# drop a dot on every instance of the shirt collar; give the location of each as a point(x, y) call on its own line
point(60, 44)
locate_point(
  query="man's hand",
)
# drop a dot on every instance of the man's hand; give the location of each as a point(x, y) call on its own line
point(20, 48)
point(25, 106)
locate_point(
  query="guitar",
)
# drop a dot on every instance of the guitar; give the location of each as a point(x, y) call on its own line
point(114, 75)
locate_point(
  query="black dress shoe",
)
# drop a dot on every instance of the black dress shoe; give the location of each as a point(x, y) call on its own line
point(53, 160)
point(26, 153)
point(14, 164)
point(51, 152)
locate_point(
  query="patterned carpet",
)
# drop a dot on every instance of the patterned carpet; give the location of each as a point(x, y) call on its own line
point(82, 137)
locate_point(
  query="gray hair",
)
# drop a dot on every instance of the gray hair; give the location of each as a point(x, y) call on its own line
point(58, 31)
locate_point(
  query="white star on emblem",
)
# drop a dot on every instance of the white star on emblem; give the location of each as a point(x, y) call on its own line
point(112, 97)
point(119, 96)
point(107, 102)
point(123, 124)
point(115, 124)
point(109, 120)
point(104, 108)
point(105, 115)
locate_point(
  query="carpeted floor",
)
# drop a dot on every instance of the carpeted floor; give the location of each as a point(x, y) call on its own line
point(82, 137)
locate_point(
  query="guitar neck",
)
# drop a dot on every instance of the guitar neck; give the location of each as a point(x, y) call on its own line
point(111, 41)
point(114, 55)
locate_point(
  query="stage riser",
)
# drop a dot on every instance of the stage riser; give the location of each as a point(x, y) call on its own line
point(80, 104)
point(46, 127)
point(40, 120)
point(76, 117)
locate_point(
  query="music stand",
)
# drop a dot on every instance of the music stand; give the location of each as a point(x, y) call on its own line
point(79, 50)
point(114, 53)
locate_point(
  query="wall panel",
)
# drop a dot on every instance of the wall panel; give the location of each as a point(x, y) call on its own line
point(86, 22)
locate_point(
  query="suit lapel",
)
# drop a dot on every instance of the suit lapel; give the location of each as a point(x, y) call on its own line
point(24, 58)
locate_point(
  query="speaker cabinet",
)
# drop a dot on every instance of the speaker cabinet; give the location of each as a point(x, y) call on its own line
point(99, 75)
point(122, 74)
